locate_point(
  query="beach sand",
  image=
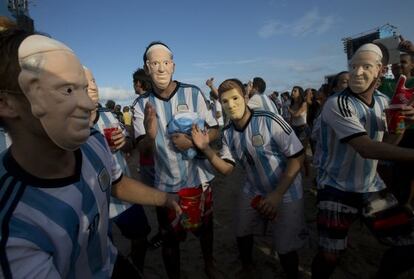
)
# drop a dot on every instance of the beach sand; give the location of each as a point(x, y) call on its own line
point(360, 260)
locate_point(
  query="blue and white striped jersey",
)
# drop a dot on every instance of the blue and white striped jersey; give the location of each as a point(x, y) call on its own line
point(263, 148)
point(5, 140)
point(58, 228)
point(262, 102)
point(104, 119)
point(172, 172)
point(344, 117)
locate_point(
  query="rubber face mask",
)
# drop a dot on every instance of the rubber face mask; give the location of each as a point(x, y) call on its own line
point(160, 67)
point(364, 70)
point(233, 104)
point(54, 83)
point(93, 91)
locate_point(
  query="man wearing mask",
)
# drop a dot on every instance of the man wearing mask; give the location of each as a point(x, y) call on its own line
point(166, 101)
point(57, 176)
point(354, 137)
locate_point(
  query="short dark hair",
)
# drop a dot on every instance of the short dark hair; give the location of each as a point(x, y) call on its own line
point(259, 84)
point(141, 76)
point(10, 41)
point(232, 83)
point(301, 95)
point(335, 80)
point(144, 57)
point(110, 104)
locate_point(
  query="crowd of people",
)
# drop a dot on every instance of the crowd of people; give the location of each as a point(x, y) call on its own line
point(65, 181)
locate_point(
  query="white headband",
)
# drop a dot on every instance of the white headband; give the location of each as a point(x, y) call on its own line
point(158, 46)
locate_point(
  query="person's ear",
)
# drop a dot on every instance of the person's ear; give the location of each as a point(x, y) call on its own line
point(29, 83)
point(8, 106)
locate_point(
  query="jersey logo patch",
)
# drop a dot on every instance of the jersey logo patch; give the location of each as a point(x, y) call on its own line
point(257, 140)
point(104, 180)
point(182, 108)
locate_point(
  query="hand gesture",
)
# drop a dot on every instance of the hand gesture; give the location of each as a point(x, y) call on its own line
point(182, 141)
point(150, 121)
point(249, 87)
point(118, 139)
point(171, 202)
point(406, 46)
point(209, 82)
point(269, 205)
point(200, 138)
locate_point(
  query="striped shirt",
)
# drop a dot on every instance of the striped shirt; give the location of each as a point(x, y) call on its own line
point(5, 140)
point(58, 228)
point(104, 118)
point(262, 102)
point(262, 148)
point(344, 117)
point(172, 172)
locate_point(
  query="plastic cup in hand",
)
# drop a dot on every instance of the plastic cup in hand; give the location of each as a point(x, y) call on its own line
point(190, 203)
point(255, 201)
point(395, 120)
point(108, 133)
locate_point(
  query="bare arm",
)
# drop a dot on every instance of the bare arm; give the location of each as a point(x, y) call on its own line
point(300, 111)
point(183, 141)
point(213, 89)
point(147, 143)
point(269, 205)
point(201, 141)
point(133, 191)
point(371, 149)
point(393, 139)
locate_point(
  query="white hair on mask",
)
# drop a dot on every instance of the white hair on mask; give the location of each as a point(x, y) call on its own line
point(371, 48)
point(159, 47)
point(32, 48)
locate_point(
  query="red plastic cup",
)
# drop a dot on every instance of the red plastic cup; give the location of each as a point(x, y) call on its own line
point(190, 203)
point(255, 201)
point(108, 132)
point(395, 120)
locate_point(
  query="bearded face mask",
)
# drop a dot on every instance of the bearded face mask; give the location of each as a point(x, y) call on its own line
point(54, 83)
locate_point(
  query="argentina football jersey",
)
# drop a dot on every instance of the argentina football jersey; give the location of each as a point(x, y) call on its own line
point(262, 148)
point(262, 102)
point(345, 117)
point(58, 227)
point(172, 170)
point(105, 119)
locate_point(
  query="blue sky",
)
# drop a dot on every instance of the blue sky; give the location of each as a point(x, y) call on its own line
point(285, 42)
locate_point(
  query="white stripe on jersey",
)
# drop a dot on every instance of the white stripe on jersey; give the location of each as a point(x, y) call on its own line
point(59, 225)
point(262, 149)
point(262, 102)
point(5, 140)
point(106, 118)
point(345, 116)
point(172, 172)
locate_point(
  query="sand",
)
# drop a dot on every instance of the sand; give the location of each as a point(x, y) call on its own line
point(360, 260)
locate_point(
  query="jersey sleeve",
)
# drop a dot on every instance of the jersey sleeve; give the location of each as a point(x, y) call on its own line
point(27, 260)
point(138, 119)
point(285, 137)
point(205, 112)
point(255, 102)
point(341, 117)
point(225, 153)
